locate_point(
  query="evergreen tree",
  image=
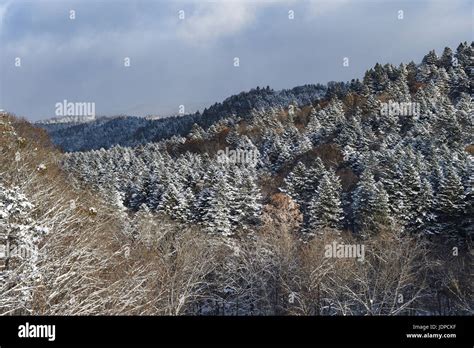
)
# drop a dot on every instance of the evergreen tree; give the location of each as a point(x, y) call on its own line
point(409, 191)
point(313, 128)
point(450, 202)
point(217, 217)
point(295, 183)
point(468, 217)
point(423, 213)
point(430, 59)
point(325, 207)
point(248, 198)
point(302, 183)
point(176, 201)
point(370, 206)
point(447, 58)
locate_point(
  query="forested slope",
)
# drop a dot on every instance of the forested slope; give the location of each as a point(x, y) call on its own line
point(232, 211)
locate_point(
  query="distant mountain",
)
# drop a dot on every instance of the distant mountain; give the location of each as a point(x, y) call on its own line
point(131, 131)
point(67, 119)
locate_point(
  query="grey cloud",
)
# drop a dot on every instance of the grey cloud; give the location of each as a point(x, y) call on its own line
point(189, 62)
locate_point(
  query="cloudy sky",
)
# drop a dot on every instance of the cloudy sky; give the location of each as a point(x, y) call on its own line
point(190, 61)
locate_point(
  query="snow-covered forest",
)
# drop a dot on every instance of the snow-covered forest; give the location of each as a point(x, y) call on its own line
point(345, 163)
point(164, 216)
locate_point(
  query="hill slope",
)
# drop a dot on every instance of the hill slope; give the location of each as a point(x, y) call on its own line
point(236, 215)
point(132, 131)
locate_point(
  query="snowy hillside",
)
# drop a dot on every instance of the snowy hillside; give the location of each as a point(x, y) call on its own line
point(347, 199)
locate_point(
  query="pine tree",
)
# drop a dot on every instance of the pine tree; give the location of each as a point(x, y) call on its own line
point(422, 209)
point(177, 201)
point(313, 129)
point(295, 183)
point(430, 59)
point(426, 72)
point(197, 133)
point(468, 217)
point(450, 202)
point(217, 216)
point(302, 183)
point(447, 58)
point(333, 116)
point(351, 133)
point(249, 198)
point(282, 149)
point(464, 53)
point(202, 204)
point(410, 190)
point(325, 208)
point(464, 115)
point(370, 206)
point(154, 190)
point(315, 172)
point(447, 127)
point(391, 177)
